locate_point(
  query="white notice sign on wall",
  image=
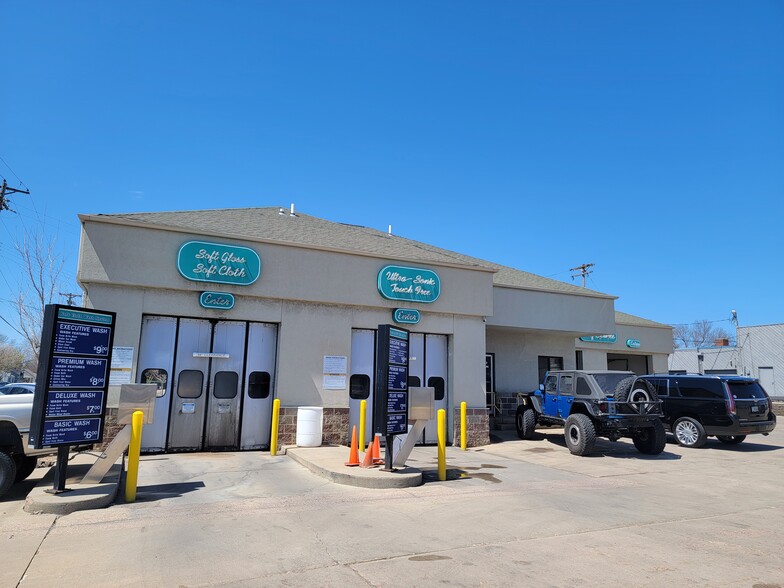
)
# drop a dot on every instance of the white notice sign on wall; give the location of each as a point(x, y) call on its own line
point(122, 360)
point(335, 369)
point(332, 382)
point(335, 364)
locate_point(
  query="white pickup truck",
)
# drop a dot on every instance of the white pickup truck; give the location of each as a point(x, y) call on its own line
point(17, 460)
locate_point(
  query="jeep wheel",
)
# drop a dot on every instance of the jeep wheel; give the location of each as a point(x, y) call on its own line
point(689, 432)
point(525, 422)
point(7, 472)
point(580, 434)
point(731, 439)
point(24, 467)
point(650, 440)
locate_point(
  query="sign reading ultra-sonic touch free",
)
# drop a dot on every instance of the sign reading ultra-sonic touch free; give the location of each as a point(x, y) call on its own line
point(201, 261)
point(412, 284)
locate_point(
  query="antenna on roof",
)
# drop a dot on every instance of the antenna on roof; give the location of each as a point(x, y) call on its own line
point(292, 213)
point(389, 230)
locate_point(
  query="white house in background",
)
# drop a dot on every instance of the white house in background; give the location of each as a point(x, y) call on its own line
point(759, 352)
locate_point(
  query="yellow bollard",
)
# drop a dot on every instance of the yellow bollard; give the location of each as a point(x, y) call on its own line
point(463, 426)
point(362, 419)
point(275, 419)
point(441, 445)
point(135, 448)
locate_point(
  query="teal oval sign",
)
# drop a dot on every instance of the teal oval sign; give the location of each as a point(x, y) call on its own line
point(599, 339)
point(406, 316)
point(217, 300)
point(413, 284)
point(201, 261)
point(633, 343)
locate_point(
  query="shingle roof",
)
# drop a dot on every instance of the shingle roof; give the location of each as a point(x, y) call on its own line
point(269, 224)
point(621, 318)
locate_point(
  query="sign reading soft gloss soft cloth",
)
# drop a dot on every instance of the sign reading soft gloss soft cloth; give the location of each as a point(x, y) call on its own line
point(219, 263)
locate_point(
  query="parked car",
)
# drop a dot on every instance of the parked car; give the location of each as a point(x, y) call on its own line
point(726, 406)
point(17, 460)
point(590, 404)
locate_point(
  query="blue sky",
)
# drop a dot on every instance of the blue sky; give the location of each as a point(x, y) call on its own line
point(644, 137)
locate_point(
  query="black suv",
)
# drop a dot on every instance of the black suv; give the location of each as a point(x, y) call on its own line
point(729, 407)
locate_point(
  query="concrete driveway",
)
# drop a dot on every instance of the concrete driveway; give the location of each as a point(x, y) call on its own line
point(512, 513)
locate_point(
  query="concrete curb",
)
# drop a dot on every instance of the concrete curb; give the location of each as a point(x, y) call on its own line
point(80, 497)
point(328, 462)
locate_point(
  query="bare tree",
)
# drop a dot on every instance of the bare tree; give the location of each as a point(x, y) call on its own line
point(12, 359)
point(39, 283)
point(697, 334)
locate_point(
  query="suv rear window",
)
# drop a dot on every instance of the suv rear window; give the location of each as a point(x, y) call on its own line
point(608, 382)
point(746, 390)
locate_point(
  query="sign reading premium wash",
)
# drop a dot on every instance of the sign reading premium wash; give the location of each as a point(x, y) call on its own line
point(202, 261)
point(72, 384)
point(391, 399)
point(412, 284)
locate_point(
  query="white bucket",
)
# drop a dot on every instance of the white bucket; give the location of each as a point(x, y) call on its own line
point(309, 425)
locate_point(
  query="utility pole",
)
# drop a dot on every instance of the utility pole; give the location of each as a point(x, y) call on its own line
point(583, 269)
point(6, 189)
point(70, 297)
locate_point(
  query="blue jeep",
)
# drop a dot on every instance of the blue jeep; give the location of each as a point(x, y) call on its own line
point(590, 404)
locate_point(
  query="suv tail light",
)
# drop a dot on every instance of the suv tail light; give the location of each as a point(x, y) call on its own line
point(729, 400)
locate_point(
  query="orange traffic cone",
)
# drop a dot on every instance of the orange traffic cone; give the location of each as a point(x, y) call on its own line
point(377, 451)
point(368, 461)
point(353, 456)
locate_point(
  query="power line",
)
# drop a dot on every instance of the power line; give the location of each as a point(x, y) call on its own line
point(583, 271)
point(70, 297)
point(21, 183)
point(6, 189)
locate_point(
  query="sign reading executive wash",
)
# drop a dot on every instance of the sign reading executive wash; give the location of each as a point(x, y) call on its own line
point(391, 395)
point(201, 261)
point(72, 384)
point(411, 284)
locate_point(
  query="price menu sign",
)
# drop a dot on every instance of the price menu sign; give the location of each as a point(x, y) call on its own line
point(73, 376)
point(391, 399)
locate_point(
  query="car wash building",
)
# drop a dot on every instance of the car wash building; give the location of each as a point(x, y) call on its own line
point(226, 310)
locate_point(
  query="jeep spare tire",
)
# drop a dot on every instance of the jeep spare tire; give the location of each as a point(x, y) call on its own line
point(634, 391)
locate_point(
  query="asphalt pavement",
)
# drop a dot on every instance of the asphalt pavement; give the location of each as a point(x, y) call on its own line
point(511, 513)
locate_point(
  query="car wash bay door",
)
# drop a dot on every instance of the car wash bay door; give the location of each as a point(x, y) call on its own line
point(202, 400)
point(427, 367)
point(206, 399)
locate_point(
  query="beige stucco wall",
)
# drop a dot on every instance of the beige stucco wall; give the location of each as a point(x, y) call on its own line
point(316, 298)
point(144, 257)
point(550, 311)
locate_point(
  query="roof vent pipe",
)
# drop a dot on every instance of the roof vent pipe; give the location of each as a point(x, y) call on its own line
point(389, 230)
point(291, 213)
point(281, 211)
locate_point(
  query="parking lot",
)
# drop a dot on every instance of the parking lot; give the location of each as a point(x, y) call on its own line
point(512, 513)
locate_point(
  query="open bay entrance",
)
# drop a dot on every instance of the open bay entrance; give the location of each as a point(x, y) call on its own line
point(215, 382)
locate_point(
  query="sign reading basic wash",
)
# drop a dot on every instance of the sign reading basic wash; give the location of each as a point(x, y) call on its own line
point(218, 263)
